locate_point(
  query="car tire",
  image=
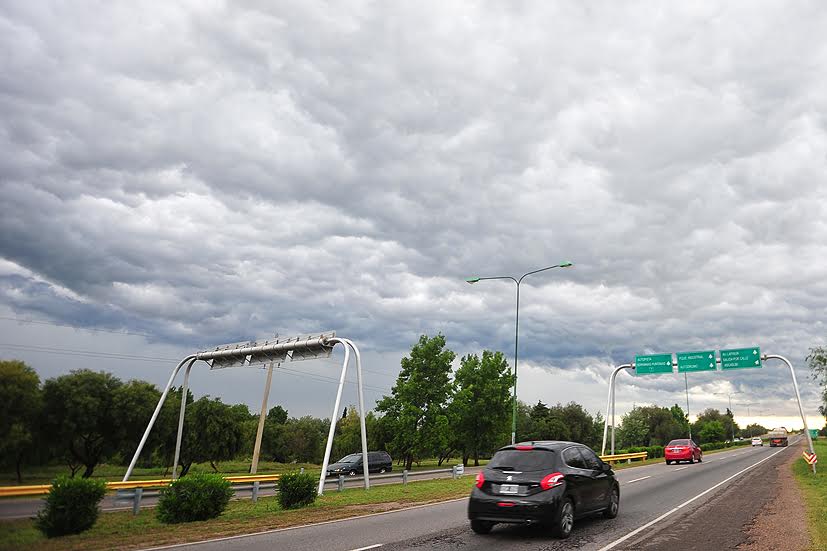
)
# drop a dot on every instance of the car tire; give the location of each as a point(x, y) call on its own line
point(352, 473)
point(700, 458)
point(614, 505)
point(382, 470)
point(692, 460)
point(564, 522)
point(668, 462)
point(481, 527)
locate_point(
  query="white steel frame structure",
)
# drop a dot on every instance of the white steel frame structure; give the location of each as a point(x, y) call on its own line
point(272, 352)
point(610, 401)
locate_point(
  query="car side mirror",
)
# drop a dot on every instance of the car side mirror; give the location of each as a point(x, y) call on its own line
point(606, 467)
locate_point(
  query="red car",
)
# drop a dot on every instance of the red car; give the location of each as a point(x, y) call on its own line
point(682, 450)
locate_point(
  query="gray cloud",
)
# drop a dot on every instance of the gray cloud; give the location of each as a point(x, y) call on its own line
point(207, 173)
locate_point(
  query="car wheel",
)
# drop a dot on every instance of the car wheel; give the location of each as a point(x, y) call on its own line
point(614, 505)
point(382, 470)
point(700, 458)
point(692, 460)
point(352, 473)
point(668, 462)
point(565, 520)
point(481, 526)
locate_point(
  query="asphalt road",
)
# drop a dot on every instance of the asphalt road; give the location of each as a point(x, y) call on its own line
point(13, 508)
point(656, 500)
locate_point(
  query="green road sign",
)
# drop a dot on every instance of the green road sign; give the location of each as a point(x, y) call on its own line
point(653, 363)
point(696, 361)
point(813, 433)
point(738, 358)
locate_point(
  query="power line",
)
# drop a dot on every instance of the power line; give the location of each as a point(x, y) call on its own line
point(151, 359)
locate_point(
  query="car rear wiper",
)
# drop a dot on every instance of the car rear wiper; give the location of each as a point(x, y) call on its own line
point(503, 468)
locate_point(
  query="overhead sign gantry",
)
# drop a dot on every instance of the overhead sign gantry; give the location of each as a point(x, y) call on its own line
point(705, 360)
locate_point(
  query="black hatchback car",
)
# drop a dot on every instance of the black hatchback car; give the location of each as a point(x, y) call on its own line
point(547, 482)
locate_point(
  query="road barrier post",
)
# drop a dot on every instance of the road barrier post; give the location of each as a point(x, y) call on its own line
point(255, 491)
point(454, 472)
point(341, 482)
point(136, 501)
point(404, 476)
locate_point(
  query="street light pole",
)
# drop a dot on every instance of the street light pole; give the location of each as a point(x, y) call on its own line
point(473, 280)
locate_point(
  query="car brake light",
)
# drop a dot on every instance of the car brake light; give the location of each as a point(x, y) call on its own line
point(524, 448)
point(505, 504)
point(551, 480)
point(480, 479)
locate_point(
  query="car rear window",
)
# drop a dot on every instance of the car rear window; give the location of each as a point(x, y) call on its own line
point(522, 460)
point(678, 443)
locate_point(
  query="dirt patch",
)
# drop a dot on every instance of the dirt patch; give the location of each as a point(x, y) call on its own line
point(782, 522)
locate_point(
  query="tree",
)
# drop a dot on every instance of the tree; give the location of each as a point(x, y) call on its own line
point(817, 362)
point(725, 419)
point(20, 405)
point(133, 405)
point(305, 439)
point(681, 418)
point(273, 438)
point(212, 433)
point(754, 429)
point(348, 437)
point(416, 408)
point(711, 431)
point(481, 404)
point(650, 426)
point(79, 420)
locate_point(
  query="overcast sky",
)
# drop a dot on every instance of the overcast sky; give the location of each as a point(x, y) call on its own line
point(174, 176)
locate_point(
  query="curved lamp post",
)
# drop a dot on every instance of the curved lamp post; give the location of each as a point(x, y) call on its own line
point(473, 280)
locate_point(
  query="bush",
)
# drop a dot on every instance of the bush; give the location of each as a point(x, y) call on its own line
point(197, 496)
point(71, 506)
point(296, 490)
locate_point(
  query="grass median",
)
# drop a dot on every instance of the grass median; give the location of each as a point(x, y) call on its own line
point(814, 488)
point(121, 530)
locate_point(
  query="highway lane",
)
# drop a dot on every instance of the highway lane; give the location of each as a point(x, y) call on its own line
point(646, 493)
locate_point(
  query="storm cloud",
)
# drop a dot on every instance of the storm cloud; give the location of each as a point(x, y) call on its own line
point(207, 172)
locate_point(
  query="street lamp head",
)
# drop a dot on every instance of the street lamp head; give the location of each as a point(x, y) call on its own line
point(472, 280)
point(566, 265)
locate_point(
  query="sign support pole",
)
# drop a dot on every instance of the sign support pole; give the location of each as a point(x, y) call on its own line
point(261, 419)
point(609, 402)
point(798, 397)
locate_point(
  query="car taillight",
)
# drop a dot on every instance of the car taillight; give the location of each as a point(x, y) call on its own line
point(480, 479)
point(551, 480)
point(524, 448)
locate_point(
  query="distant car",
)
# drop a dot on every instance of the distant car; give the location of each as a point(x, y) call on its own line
point(682, 450)
point(546, 482)
point(757, 442)
point(378, 462)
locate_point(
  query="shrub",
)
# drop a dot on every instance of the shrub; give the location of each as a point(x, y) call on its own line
point(197, 496)
point(71, 506)
point(296, 490)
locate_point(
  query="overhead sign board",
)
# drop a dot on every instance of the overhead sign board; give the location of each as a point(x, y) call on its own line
point(741, 358)
point(652, 364)
point(696, 361)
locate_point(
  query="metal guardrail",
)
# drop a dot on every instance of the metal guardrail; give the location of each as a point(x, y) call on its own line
point(42, 489)
point(628, 457)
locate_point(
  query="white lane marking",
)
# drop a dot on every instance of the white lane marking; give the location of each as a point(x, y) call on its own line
point(313, 525)
point(638, 479)
point(374, 546)
point(684, 504)
point(681, 468)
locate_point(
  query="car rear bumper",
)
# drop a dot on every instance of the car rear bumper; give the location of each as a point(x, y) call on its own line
point(537, 508)
point(678, 456)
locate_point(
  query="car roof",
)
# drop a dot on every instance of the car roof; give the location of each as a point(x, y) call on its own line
point(550, 445)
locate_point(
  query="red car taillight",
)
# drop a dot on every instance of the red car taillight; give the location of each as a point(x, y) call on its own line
point(552, 480)
point(480, 479)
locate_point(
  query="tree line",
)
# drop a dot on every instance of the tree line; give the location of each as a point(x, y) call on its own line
point(84, 418)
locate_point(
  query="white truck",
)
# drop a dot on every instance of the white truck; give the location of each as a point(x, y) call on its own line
point(778, 437)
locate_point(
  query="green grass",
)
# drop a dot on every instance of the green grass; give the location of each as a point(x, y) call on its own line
point(814, 488)
point(123, 531)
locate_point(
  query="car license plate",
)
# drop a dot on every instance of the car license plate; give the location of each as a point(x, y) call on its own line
point(509, 489)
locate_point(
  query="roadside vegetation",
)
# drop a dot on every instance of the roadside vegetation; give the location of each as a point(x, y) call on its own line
point(121, 530)
point(814, 489)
